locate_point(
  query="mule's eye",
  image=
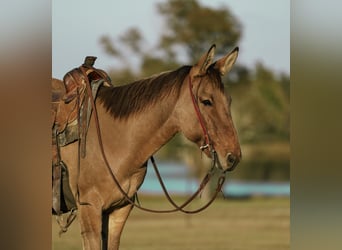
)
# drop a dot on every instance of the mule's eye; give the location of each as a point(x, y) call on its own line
point(207, 103)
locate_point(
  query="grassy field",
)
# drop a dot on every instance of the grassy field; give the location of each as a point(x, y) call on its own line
point(252, 224)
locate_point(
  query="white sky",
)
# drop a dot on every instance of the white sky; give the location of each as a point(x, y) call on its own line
point(77, 26)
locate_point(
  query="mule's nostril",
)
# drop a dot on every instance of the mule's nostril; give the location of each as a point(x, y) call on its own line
point(231, 159)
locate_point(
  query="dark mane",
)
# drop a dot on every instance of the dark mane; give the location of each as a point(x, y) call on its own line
point(123, 101)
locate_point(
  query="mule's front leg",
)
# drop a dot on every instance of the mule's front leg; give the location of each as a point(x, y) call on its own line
point(90, 219)
point(116, 223)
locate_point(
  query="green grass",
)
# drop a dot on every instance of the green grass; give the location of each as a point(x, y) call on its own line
point(258, 223)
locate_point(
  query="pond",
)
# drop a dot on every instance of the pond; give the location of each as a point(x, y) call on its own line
point(179, 181)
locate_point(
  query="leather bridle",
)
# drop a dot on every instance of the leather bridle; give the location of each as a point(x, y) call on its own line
point(200, 118)
point(208, 144)
point(205, 180)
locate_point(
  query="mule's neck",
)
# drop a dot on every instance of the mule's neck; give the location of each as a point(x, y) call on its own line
point(138, 137)
point(155, 128)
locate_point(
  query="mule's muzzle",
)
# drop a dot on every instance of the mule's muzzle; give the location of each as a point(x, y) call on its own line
point(232, 161)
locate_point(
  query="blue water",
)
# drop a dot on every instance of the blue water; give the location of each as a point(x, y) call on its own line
point(178, 181)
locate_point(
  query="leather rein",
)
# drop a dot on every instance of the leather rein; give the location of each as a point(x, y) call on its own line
point(215, 164)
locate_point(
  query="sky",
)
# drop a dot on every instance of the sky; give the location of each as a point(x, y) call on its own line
point(78, 25)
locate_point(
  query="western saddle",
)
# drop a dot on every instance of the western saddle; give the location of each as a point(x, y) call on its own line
point(70, 115)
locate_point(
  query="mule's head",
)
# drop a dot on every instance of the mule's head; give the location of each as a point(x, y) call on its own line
point(214, 108)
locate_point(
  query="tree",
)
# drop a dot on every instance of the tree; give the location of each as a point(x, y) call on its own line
point(190, 27)
point(261, 108)
point(133, 39)
point(195, 28)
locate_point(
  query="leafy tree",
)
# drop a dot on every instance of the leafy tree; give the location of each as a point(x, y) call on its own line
point(261, 108)
point(133, 39)
point(152, 64)
point(195, 28)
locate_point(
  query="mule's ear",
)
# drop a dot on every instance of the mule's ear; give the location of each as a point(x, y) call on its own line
point(200, 68)
point(225, 64)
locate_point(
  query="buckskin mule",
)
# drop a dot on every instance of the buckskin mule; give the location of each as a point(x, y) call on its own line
point(136, 120)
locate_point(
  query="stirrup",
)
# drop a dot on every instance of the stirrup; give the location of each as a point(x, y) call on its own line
point(64, 226)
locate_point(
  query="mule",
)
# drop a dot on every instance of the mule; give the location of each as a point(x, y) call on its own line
point(136, 120)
